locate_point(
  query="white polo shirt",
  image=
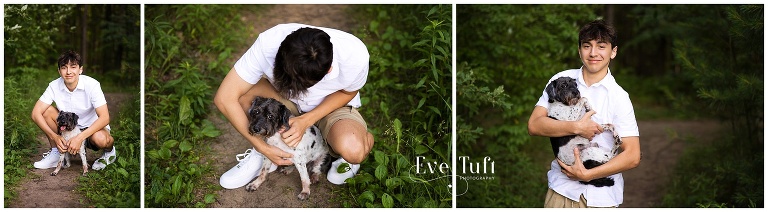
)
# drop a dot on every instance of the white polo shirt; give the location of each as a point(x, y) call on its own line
point(349, 67)
point(83, 101)
point(613, 106)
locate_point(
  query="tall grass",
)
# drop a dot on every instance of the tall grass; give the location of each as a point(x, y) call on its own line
point(20, 131)
point(119, 184)
point(407, 104)
point(186, 46)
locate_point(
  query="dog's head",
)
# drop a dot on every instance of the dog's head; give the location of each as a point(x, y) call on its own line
point(267, 116)
point(67, 121)
point(563, 90)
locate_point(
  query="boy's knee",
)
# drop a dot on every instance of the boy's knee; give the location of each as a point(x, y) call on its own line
point(356, 149)
point(102, 139)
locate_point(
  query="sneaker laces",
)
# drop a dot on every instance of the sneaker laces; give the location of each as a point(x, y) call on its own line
point(241, 157)
point(45, 154)
point(105, 157)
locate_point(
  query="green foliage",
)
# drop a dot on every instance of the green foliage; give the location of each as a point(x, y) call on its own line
point(508, 52)
point(19, 140)
point(120, 33)
point(186, 46)
point(119, 184)
point(408, 106)
point(31, 32)
point(726, 69)
point(734, 179)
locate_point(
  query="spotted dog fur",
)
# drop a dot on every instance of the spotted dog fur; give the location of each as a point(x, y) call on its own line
point(266, 117)
point(67, 122)
point(566, 104)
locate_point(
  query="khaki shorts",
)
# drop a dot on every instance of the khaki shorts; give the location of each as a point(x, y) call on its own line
point(555, 200)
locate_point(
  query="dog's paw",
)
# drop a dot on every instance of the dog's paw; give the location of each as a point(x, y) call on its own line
point(303, 195)
point(287, 170)
point(54, 173)
point(252, 186)
point(314, 178)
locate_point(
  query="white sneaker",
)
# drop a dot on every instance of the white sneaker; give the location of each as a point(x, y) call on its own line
point(341, 170)
point(105, 159)
point(50, 160)
point(248, 168)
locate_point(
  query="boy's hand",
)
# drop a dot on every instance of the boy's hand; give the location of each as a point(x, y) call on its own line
point(588, 128)
point(292, 137)
point(60, 143)
point(577, 171)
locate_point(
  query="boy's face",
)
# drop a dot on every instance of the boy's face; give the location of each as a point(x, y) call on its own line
point(70, 73)
point(596, 55)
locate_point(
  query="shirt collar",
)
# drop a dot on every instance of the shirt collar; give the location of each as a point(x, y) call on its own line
point(79, 86)
point(606, 80)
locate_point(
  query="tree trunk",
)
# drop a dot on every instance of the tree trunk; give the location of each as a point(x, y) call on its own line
point(84, 33)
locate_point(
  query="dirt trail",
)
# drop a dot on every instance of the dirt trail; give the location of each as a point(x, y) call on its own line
point(662, 143)
point(279, 191)
point(40, 190)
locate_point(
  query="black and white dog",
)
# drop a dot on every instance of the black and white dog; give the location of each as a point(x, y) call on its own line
point(67, 122)
point(566, 104)
point(266, 117)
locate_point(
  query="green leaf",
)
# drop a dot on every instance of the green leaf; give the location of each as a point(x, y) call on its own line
point(421, 149)
point(152, 154)
point(164, 153)
point(380, 157)
point(387, 201)
point(185, 146)
point(209, 130)
point(366, 197)
point(185, 111)
point(210, 198)
point(176, 187)
point(381, 171)
point(343, 168)
point(169, 144)
point(122, 172)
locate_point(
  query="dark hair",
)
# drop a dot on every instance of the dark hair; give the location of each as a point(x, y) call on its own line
point(302, 60)
point(598, 30)
point(70, 56)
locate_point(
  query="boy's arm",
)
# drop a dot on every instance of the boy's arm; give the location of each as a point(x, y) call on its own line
point(299, 124)
point(227, 101)
point(539, 124)
point(39, 119)
point(628, 159)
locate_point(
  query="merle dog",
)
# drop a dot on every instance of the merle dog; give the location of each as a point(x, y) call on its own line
point(67, 122)
point(566, 103)
point(266, 117)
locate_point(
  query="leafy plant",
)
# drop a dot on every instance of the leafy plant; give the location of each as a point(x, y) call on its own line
point(119, 184)
point(187, 45)
point(409, 53)
point(729, 83)
point(20, 131)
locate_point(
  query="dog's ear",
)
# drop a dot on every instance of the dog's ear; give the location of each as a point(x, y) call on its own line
point(551, 92)
point(74, 115)
point(285, 115)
